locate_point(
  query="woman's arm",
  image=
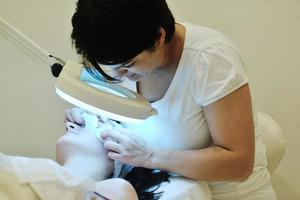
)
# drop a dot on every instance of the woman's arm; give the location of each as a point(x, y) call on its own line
point(231, 157)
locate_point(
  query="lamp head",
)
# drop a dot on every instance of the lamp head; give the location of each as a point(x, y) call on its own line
point(78, 85)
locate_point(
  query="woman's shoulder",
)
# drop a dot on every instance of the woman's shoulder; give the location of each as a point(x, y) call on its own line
point(199, 37)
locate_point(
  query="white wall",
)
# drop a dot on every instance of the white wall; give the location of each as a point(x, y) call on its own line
point(267, 32)
point(31, 116)
point(47, 22)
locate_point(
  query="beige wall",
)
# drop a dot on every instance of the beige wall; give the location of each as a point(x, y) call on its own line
point(31, 114)
point(267, 32)
point(47, 22)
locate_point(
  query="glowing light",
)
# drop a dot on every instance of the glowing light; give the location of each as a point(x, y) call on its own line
point(93, 109)
point(106, 89)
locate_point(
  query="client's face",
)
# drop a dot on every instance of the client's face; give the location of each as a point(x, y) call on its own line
point(77, 142)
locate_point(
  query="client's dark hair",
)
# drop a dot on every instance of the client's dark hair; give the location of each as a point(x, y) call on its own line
point(115, 31)
point(146, 182)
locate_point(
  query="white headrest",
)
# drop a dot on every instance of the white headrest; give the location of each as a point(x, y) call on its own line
point(273, 138)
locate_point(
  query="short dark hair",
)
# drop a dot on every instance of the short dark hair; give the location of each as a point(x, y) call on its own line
point(115, 31)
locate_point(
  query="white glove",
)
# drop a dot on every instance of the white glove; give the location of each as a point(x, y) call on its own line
point(74, 115)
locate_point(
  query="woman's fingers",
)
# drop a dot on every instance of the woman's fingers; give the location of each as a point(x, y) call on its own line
point(115, 156)
point(74, 115)
point(113, 135)
point(68, 116)
point(113, 146)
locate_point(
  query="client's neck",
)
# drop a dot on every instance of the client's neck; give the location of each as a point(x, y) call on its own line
point(84, 165)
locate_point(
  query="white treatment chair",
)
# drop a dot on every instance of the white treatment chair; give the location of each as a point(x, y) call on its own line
point(11, 189)
point(273, 138)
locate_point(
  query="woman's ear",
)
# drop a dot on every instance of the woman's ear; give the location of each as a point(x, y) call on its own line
point(161, 39)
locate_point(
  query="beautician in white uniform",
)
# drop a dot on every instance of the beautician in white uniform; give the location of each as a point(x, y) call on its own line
point(195, 78)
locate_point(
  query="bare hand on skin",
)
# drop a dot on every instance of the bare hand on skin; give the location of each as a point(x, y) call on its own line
point(123, 146)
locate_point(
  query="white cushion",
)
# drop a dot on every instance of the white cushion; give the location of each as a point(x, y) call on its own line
point(273, 138)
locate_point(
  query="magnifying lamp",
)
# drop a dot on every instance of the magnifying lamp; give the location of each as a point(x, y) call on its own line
point(78, 85)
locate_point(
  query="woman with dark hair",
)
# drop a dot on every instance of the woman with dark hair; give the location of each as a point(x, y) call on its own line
point(194, 77)
point(82, 171)
point(82, 152)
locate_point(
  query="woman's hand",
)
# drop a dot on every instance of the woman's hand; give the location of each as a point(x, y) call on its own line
point(123, 146)
point(74, 115)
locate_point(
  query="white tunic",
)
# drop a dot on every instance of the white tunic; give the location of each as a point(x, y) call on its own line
point(210, 68)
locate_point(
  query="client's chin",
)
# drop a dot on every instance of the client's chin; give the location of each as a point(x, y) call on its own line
point(96, 168)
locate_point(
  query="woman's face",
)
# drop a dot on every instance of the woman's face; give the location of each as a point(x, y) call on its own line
point(78, 141)
point(144, 64)
point(141, 66)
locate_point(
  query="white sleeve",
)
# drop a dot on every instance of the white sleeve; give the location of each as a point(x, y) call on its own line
point(220, 71)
